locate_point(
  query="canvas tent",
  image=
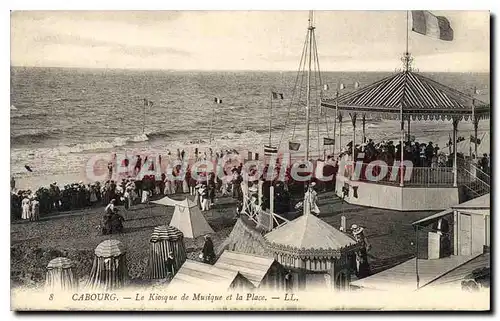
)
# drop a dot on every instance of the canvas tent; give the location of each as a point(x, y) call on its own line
point(163, 240)
point(187, 217)
point(109, 270)
point(60, 276)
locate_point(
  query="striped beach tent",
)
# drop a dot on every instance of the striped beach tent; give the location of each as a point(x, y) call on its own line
point(165, 239)
point(109, 270)
point(60, 276)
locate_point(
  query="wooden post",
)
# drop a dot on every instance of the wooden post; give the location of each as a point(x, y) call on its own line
point(340, 132)
point(353, 118)
point(271, 201)
point(364, 134)
point(260, 193)
point(476, 124)
point(455, 169)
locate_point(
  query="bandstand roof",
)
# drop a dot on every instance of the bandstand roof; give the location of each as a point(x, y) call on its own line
point(420, 98)
point(308, 235)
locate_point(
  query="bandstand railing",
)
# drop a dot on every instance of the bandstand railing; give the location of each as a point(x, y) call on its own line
point(413, 176)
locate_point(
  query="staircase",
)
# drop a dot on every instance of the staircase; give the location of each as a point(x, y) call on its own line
point(475, 182)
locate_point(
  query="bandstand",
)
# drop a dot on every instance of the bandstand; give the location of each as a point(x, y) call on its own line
point(407, 96)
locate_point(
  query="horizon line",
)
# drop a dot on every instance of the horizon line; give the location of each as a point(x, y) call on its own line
point(237, 70)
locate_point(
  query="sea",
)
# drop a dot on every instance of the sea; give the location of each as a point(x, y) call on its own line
point(60, 118)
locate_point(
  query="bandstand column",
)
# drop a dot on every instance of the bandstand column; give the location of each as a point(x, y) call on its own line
point(409, 139)
point(340, 131)
point(476, 125)
point(401, 166)
point(364, 122)
point(353, 119)
point(455, 171)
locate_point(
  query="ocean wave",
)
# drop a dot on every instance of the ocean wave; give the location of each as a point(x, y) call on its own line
point(166, 133)
point(28, 116)
point(91, 146)
point(69, 99)
point(33, 136)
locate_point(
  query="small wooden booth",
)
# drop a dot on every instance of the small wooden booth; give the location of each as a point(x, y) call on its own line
point(264, 272)
point(199, 276)
point(316, 254)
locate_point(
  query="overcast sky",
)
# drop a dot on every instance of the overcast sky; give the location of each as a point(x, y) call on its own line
point(242, 40)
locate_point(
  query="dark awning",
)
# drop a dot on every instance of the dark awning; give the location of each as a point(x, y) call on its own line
point(418, 96)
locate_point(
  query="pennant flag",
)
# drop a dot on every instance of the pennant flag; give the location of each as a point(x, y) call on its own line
point(474, 140)
point(217, 100)
point(427, 24)
point(293, 146)
point(325, 87)
point(328, 141)
point(28, 168)
point(270, 150)
point(277, 95)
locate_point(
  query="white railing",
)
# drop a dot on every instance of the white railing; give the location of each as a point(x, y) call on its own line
point(390, 175)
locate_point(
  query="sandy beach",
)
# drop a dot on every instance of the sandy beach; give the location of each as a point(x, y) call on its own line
point(75, 234)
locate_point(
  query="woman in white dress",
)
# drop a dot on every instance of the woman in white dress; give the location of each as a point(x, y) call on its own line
point(185, 186)
point(26, 206)
point(35, 210)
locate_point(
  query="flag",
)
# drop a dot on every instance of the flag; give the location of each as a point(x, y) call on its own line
point(217, 100)
point(328, 141)
point(341, 86)
point(474, 140)
point(270, 150)
point(293, 146)
point(427, 24)
point(325, 87)
point(277, 95)
point(356, 85)
point(28, 168)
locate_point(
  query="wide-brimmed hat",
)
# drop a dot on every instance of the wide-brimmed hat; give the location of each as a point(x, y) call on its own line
point(356, 229)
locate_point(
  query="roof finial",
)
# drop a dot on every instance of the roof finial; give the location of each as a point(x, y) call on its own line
point(407, 60)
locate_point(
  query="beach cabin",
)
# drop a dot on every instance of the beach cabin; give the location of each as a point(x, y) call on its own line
point(264, 272)
point(455, 245)
point(200, 276)
point(315, 254)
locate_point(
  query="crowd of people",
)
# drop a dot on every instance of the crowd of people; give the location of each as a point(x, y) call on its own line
point(420, 154)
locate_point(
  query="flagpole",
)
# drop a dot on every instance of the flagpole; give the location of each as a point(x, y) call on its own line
point(335, 120)
point(270, 118)
point(407, 27)
point(310, 30)
point(144, 116)
point(211, 123)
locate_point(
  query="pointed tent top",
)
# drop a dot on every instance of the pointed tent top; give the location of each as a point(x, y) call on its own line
point(167, 201)
point(308, 233)
point(418, 96)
